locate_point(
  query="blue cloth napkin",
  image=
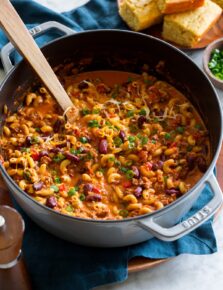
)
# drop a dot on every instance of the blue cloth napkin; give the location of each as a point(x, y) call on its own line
point(55, 264)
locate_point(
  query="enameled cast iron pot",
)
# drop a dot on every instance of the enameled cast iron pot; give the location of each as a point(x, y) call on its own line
point(122, 50)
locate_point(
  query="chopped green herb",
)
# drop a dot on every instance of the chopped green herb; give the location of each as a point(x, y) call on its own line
point(37, 129)
point(96, 111)
point(154, 131)
point(165, 179)
point(84, 140)
point(131, 138)
point(153, 141)
point(85, 112)
point(129, 174)
point(54, 188)
point(180, 130)
point(155, 120)
point(102, 170)
point(124, 169)
point(129, 163)
point(130, 114)
point(82, 197)
point(112, 159)
point(93, 124)
point(216, 63)
point(117, 141)
point(27, 175)
point(88, 156)
point(73, 191)
point(117, 163)
point(144, 140)
point(34, 140)
point(129, 80)
point(123, 212)
point(133, 128)
point(58, 158)
point(142, 112)
point(167, 136)
point(198, 126)
point(108, 123)
point(69, 208)
point(24, 149)
point(57, 179)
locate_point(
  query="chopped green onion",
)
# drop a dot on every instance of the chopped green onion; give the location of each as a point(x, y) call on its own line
point(130, 114)
point(96, 111)
point(180, 130)
point(167, 136)
point(144, 140)
point(58, 158)
point(85, 112)
point(73, 191)
point(82, 197)
point(124, 169)
point(118, 141)
point(129, 174)
point(54, 188)
point(69, 208)
point(84, 140)
point(142, 112)
point(57, 179)
point(123, 212)
point(93, 124)
point(24, 149)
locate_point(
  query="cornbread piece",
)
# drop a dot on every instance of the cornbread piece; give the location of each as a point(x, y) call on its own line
point(188, 28)
point(176, 6)
point(219, 2)
point(140, 14)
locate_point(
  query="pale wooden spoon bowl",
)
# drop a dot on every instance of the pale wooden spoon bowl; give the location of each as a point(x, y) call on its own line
point(18, 34)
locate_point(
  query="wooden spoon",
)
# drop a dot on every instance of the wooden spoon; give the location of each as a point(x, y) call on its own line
point(23, 41)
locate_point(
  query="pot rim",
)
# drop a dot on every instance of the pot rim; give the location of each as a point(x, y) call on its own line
point(167, 207)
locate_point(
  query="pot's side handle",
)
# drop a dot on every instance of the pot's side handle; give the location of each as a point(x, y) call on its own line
point(173, 233)
point(35, 31)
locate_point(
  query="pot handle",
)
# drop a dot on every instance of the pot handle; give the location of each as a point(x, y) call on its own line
point(35, 31)
point(183, 228)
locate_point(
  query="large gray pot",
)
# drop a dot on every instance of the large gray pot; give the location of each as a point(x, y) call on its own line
point(137, 48)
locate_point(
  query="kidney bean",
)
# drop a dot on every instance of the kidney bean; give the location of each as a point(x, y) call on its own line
point(141, 121)
point(103, 146)
point(138, 192)
point(43, 153)
point(201, 163)
point(72, 157)
point(173, 191)
point(191, 162)
point(56, 150)
point(93, 197)
point(28, 141)
point(88, 187)
point(136, 172)
point(157, 165)
point(38, 185)
point(83, 85)
point(57, 125)
point(51, 201)
point(61, 145)
point(122, 135)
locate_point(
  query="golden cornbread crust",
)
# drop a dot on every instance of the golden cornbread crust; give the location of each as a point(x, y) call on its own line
point(140, 14)
point(176, 6)
point(219, 2)
point(187, 28)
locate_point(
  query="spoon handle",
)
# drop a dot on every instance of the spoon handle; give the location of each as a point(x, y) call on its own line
point(23, 41)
